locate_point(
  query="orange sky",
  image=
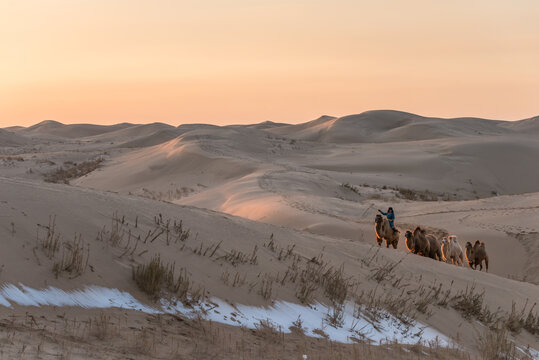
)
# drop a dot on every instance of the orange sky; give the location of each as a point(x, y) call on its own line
point(246, 61)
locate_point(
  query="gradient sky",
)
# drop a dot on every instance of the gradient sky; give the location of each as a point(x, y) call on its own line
point(246, 61)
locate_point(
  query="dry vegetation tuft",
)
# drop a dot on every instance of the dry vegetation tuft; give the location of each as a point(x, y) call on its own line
point(74, 258)
point(72, 171)
point(157, 275)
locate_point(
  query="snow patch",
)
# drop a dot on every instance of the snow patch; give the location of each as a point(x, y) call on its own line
point(282, 315)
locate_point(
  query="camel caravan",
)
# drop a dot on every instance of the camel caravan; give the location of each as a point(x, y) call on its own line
point(418, 242)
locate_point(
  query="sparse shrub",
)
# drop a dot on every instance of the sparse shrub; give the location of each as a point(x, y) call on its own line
point(518, 320)
point(181, 233)
point(335, 316)
point(51, 242)
point(101, 327)
point(469, 303)
point(421, 195)
point(297, 325)
point(266, 288)
point(152, 276)
point(352, 188)
point(495, 345)
point(237, 257)
point(384, 272)
point(74, 258)
point(157, 275)
point(72, 171)
point(269, 331)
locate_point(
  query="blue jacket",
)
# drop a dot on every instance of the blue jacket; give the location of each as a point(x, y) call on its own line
point(390, 216)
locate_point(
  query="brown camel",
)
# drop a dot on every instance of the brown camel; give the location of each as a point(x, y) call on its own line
point(385, 232)
point(435, 251)
point(476, 254)
point(417, 242)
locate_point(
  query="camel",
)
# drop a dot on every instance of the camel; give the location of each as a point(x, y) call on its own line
point(385, 232)
point(476, 254)
point(452, 251)
point(417, 242)
point(435, 251)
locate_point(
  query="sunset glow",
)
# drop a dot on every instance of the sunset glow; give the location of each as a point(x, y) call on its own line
point(247, 61)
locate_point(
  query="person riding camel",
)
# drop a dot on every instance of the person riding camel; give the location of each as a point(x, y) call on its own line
point(390, 214)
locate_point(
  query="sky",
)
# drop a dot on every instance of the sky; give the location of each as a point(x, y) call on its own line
point(248, 61)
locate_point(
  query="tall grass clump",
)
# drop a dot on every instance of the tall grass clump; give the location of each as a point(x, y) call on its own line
point(157, 275)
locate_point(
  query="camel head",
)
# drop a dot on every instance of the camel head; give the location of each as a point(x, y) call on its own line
point(409, 241)
point(453, 239)
point(378, 219)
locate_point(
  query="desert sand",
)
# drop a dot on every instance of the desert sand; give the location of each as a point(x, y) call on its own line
point(268, 221)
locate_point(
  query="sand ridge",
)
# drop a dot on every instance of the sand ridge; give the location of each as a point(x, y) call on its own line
point(249, 194)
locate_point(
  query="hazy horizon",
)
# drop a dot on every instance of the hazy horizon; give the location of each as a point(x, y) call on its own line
point(245, 123)
point(239, 62)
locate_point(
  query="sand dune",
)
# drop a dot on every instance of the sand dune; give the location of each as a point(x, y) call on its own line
point(388, 126)
point(250, 193)
point(133, 133)
point(87, 212)
point(55, 129)
point(8, 138)
point(530, 125)
point(172, 165)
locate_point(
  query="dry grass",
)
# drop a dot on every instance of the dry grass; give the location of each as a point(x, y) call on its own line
point(237, 257)
point(518, 320)
point(72, 171)
point(102, 327)
point(494, 344)
point(350, 187)
point(50, 243)
point(169, 195)
point(269, 331)
point(75, 256)
point(157, 275)
point(470, 304)
point(385, 272)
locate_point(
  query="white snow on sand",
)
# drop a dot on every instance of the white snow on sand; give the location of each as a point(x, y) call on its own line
point(281, 315)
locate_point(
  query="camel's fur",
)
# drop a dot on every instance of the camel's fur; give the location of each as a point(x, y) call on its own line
point(476, 254)
point(384, 232)
point(417, 242)
point(435, 251)
point(452, 251)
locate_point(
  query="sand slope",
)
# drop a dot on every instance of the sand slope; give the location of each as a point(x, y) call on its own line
point(315, 187)
point(388, 126)
point(88, 212)
point(55, 129)
point(8, 138)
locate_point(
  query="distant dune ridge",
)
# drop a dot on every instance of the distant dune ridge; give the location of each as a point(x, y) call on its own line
point(394, 126)
point(59, 130)
point(238, 209)
point(8, 138)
